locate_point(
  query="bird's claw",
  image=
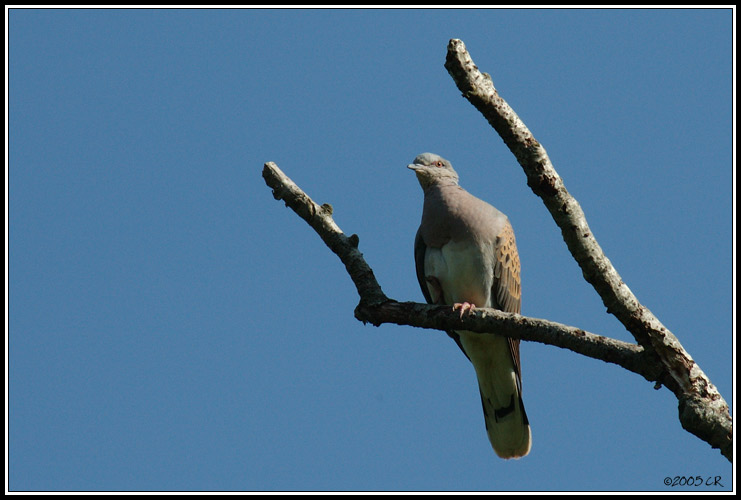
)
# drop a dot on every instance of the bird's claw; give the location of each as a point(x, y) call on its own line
point(465, 307)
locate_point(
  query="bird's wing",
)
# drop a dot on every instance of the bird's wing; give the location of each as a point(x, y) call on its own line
point(505, 292)
point(419, 261)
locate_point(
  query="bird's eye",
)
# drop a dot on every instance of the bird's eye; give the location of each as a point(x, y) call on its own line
point(438, 163)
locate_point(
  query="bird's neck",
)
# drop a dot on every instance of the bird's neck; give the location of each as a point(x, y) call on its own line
point(442, 184)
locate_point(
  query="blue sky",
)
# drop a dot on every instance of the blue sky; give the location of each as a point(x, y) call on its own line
point(172, 327)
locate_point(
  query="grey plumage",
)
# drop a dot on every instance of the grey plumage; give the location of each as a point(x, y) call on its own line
point(465, 255)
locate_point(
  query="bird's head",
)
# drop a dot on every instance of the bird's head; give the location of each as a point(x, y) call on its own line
point(433, 169)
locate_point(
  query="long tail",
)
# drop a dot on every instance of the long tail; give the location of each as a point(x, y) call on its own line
point(504, 413)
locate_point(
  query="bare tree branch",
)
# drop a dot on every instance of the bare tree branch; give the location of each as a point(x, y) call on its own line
point(702, 410)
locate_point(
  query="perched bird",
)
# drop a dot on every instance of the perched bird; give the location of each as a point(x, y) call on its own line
point(466, 256)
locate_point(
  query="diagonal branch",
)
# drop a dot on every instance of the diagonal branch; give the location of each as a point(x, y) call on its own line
point(702, 410)
point(320, 219)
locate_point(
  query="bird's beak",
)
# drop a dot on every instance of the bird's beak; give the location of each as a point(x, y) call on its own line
point(414, 166)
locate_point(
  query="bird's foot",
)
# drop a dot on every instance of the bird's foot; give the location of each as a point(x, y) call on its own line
point(465, 307)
